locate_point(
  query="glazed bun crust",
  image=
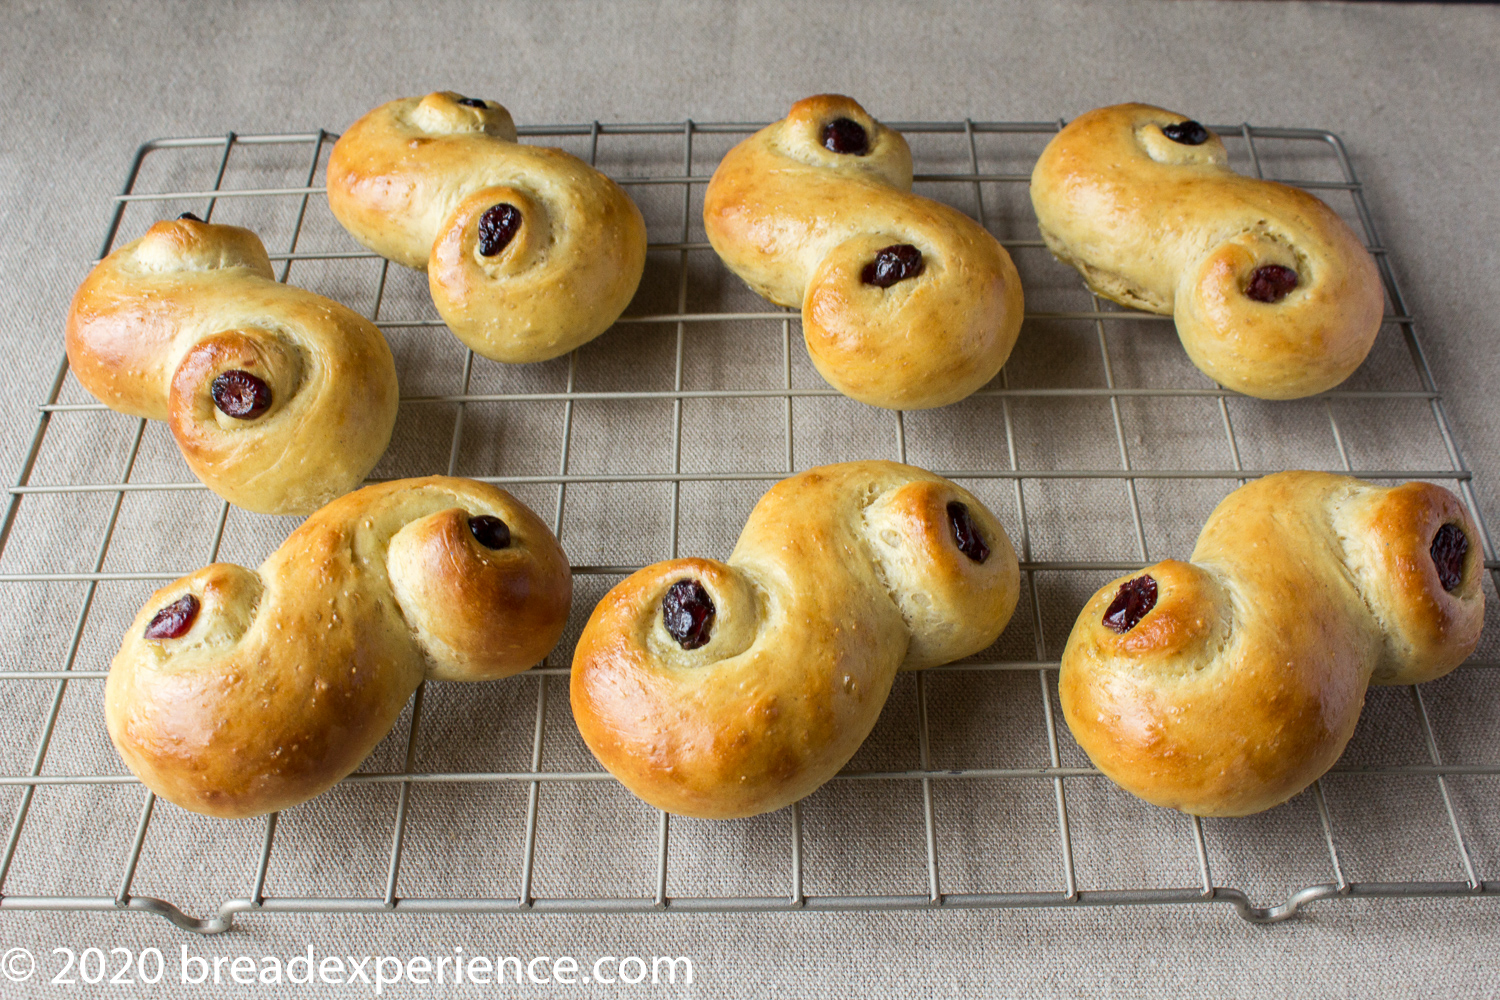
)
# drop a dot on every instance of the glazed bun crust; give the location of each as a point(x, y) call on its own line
point(843, 576)
point(413, 179)
point(1243, 683)
point(285, 679)
point(800, 223)
point(159, 320)
point(1168, 227)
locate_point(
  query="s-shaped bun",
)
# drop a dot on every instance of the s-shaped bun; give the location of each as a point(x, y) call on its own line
point(906, 303)
point(280, 399)
point(529, 252)
point(237, 693)
point(729, 689)
point(1227, 684)
point(1272, 293)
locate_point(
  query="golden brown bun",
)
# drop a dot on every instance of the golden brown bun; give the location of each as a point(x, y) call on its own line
point(1167, 227)
point(843, 575)
point(287, 678)
point(412, 179)
point(800, 223)
point(1240, 687)
point(159, 320)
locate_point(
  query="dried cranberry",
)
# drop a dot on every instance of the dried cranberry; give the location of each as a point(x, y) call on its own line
point(893, 264)
point(1189, 133)
point(491, 532)
point(472, 102)
point(241, 395)
point(1133, 601)
point(1449, 546)
point(497, 227)
point(173, 621)
point(845, 136)
point(688, 613)
point(1271, 283)
point(189, 216)
point(966, 533)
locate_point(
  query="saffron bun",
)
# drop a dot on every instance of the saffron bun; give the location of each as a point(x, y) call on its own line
point(723, 689)
point(1273, 295)
point(237, 693)
point(280, 400)
point(1226, 684)
point(529, 251)
point(906, 303)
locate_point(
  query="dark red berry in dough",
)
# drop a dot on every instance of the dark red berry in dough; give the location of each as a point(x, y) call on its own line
point(688, 613)
point(1133, 601)
point(173, 621)
point(497, 227)
point(1189, 133)
point(1271, 283)
point(241, 395)
point(845, 136)
point(893, 264)
point(490, 531)
point(1449, 547)
point(966, 533)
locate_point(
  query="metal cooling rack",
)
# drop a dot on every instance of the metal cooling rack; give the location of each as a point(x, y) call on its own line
point(1197, 886)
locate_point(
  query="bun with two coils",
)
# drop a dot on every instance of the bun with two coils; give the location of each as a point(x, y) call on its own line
point(237, 693)
point(529, 251)
point(723, 689)
point(906, 303)
point(279, 399)
point(1273, 295)
point(1226, 684)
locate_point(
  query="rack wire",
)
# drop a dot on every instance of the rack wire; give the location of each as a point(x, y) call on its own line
point(665, 166)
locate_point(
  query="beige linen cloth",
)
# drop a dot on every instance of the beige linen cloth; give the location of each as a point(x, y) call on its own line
point(1413, 90)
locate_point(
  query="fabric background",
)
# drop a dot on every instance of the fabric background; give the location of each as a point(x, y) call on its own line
point(1412, 89)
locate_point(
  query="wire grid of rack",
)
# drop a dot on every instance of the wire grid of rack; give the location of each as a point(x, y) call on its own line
point(1058, 773)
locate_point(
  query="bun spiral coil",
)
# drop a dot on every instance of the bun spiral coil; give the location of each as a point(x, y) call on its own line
point(729, 689)
point(1227, 684)
point(906, 303)
point(1272, 294)
point(279, 399)
point(237, 693)
point(529, 252)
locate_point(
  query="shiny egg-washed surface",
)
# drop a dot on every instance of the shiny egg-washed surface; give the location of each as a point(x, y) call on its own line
point(843, 575)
